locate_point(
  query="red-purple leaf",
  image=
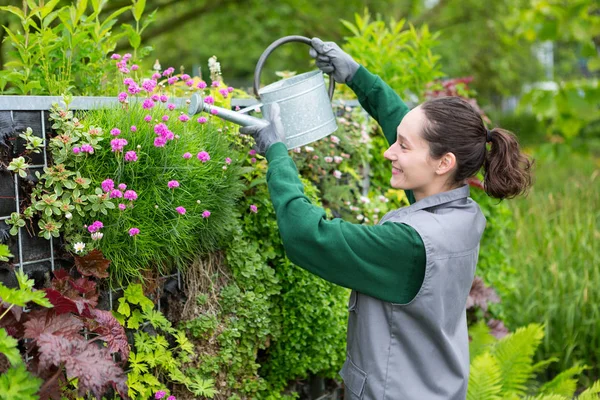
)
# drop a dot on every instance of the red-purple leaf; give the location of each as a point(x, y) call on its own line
point(89, 363)
point(480, 295)
point(93, 264)
point(112, 332)
point(46, 322)
point(62, 304)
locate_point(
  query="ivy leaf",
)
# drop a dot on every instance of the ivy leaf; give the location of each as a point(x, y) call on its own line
point(65, 325)
point(92, 264)
point(8, 347)
point(91, 365)
point(18, 383)
point(112, 332)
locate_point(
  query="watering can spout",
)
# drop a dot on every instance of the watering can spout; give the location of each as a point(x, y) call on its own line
point(197, 105)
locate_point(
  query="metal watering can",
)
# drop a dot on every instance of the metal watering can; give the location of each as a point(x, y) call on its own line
point(305, 105)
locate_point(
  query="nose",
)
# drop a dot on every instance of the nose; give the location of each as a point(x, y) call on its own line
point(389, 154)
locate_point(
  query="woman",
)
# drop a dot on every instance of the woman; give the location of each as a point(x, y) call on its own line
point(411, 274)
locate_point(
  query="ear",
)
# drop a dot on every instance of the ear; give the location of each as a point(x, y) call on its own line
point(446, 164)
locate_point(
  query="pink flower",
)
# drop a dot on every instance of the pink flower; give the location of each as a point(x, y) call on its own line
point(87, 148)
point(203, 156)
point(134, 67)
point(171, 106)
point(148, 104)
point(187, 156)
point(168, 71)
point(130, 195)
point(122, 186)
point(131, 156)
point(133, 128)
point(224, 92)
point(164, 98)
point(184, 118)
point(117, 144)
point(134, 232)
point(107, 185)
point(185, 77)
point(148, 85)
point(160, 394)
point(76, 150)
point(126, 57)
point(180, 210)
point(337, 174)
point(122, 206)
point(189, 82)
point(171, 398)
point(252, 152)
point(209, 100)
point(122, 96)
point(116, 194)
point(334, 139)
point(115, 56)
point(148, 118)
point(253, 208)
point(173, 184)
point(161, 129)
point(215, 83)
point(172, 80)
point(121, 64)
point(133, 89)
point(253, 160)
point(205, 214)
point(160, 142)
point(155, 97)
point(214, 111)
point(115, 131)
point(230, 89)
point(228, 160)
point(95, 227)
point(128, 81)
point(201, 85)
point(202, 120)
point(165, 118)
point(156, 76)
point(328, 159)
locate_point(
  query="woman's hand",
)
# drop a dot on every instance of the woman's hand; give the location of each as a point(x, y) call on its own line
point(331, 59)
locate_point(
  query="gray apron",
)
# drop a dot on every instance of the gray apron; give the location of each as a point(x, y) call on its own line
point(420, 350)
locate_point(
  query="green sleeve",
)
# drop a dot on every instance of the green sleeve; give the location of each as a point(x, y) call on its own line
point(382, 103)
point(384, 261)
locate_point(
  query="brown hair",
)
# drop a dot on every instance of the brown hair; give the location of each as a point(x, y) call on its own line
point(454, 126)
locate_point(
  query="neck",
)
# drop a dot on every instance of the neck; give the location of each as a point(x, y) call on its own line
point(434, 188)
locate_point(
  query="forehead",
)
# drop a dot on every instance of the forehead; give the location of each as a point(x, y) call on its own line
point(412, 125)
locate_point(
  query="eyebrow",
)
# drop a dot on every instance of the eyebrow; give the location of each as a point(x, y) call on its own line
point(399, 136)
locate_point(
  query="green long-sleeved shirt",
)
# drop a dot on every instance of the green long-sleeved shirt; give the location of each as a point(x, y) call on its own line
point(383, 261)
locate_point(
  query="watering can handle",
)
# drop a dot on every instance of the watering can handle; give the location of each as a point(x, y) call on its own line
point(269, 50)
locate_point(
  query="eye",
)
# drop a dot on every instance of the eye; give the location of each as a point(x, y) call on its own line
point(402, 146)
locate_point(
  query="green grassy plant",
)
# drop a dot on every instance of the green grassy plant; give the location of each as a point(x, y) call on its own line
point(556, 256)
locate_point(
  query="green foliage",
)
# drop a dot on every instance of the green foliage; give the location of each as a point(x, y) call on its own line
point(159, 354)
point(5, 253)
point(24, 294)
point(504, 369)
point(18, 383)
point(402, 58)
point(554, 248)
point(60, 49)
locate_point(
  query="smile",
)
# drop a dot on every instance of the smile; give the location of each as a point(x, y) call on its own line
point(396, 171)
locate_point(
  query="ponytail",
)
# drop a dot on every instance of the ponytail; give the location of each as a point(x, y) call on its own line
point(507, 171)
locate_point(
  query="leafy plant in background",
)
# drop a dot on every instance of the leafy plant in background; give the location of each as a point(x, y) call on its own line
point(55, 58)
point(403, 58)
point(502, 369)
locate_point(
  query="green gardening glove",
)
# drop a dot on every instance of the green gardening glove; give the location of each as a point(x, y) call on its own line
point(331, 59)
point(267, 135)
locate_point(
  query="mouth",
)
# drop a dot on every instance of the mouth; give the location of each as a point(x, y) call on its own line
point(396, 171)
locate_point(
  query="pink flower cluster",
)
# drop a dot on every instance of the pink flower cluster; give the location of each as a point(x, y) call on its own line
point(163, 135)
point(173, 184)
point(95, 227)
point(117, 144)
point(131, 156)
point(161, 393)
point(203, 156)
point(135, 232)
point(85, 148)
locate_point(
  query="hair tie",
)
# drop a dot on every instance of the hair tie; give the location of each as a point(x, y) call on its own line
point(488, 137)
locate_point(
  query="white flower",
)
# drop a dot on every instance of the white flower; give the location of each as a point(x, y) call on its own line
point(79, 246)
point(383, 198)
point(337, 159)
point(360, 217)
point(297, 150)
point(328, 159)
point(364, 200)
point(68, 215)
point(335, 139)
point(337, 174)
point(309, 149)
point(97, 235)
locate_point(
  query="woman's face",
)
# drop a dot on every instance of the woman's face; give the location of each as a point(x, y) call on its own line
point(412, 167)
